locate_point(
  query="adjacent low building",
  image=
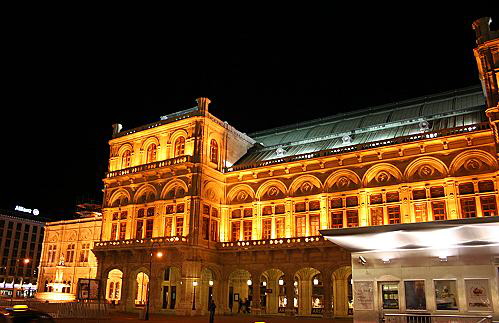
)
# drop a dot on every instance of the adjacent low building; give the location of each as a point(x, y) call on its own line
point(68, 261)
point(434, 268)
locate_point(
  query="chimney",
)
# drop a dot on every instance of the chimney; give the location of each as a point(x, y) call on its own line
point(203, 104)
point(117, 128)
point(482, 29)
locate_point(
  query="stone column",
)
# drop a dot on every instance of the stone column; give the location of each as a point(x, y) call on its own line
point(290, 294)
point(340, 297)
point(255, 302)
point(452, 201)
point(363, 209)
point(327, 283)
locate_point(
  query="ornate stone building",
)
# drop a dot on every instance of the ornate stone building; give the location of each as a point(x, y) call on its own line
point(196, 210)
point(67, 256)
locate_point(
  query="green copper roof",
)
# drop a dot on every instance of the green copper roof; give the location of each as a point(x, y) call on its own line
point(431, 113)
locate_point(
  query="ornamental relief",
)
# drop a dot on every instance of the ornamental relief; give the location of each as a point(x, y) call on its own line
point(473, 165)
point(273, 193)
point(243, 196)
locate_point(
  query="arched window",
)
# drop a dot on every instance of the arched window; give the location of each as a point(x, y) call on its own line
point(179, 146)
point(151, 153)
point(111, 290)
point(126, 158)
point(214, 151)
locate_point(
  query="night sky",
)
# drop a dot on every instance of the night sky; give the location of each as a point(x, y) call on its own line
point(66, 81)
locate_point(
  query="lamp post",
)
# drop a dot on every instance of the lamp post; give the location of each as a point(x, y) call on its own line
point(159, 254)
point(25, 261)
point(194, 284)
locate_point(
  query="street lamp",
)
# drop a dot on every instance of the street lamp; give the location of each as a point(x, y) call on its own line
point(159, 254)
point(25, 261)
point(194, 283)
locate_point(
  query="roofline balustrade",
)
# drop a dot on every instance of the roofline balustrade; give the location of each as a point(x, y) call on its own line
point(365, 146)
point(154, 165)
point(142, 243)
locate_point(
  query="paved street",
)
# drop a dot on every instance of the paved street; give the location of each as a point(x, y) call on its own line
point(131, 318)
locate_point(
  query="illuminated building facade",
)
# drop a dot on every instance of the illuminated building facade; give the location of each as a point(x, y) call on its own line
point(237, 216)
point(68, 257)
point(21, 237)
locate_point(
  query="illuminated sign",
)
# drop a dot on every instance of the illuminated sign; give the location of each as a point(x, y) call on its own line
point(25, 210)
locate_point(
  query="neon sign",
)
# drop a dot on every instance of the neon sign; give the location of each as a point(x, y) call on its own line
point(25, 210)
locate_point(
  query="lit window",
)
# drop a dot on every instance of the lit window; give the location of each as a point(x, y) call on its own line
point(149, 226)
point(138, 231)
point(489, 207)
point(437, 191)
point(122, 230)
point(420, 212)
point(126, 158)
point(168, 226)
point(468, 208)
point(214, 151)
point(179, 146)
point(377, 216)
point(337, 220)
point(393, 214)
point(352, 218)
point(301, 225)
point(279, 227)
point(266, 228)
point(247, 229)
point(151, 153)
point(314, 225)
point(466, 188)
point(236, 229)
point(419, 194)
point(485, 186)
point(179, 226)
point(214, 230)
point(438, 208)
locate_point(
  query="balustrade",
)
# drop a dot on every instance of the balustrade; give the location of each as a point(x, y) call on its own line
point(364, 146)
point(154, 165)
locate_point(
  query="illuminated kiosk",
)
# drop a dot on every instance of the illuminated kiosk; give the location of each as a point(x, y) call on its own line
point(441, 267)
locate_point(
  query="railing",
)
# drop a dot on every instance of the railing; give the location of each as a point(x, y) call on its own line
point(273, 243)
point(158, 164)
point(364, 146)
point(429, 318)
point(159, 123)
point(143, 243)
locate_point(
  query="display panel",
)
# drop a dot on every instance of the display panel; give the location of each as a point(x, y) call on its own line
point(446, 294)
point(415, 298)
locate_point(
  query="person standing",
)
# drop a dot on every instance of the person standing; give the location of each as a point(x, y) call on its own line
point(212, 308)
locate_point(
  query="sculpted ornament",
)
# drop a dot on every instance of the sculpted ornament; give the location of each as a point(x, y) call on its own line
point(473, 165)
point(306, 187)
point(211, 195)
point(343, 182)
point(426, 171)
point(273, 191)
point(383, 177)
point(242, 196)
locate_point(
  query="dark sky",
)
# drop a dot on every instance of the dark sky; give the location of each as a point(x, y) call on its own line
point(67, 80)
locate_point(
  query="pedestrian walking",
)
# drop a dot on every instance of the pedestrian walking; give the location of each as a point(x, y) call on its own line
point(240, 304)
point(212, 308)
point(248, 304)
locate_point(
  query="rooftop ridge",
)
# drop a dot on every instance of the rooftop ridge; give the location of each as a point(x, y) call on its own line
point(379, 108)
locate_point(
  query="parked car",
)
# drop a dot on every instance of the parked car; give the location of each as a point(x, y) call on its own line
point(23, 314)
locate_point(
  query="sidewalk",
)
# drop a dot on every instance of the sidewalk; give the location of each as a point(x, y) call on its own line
point(132, 318)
